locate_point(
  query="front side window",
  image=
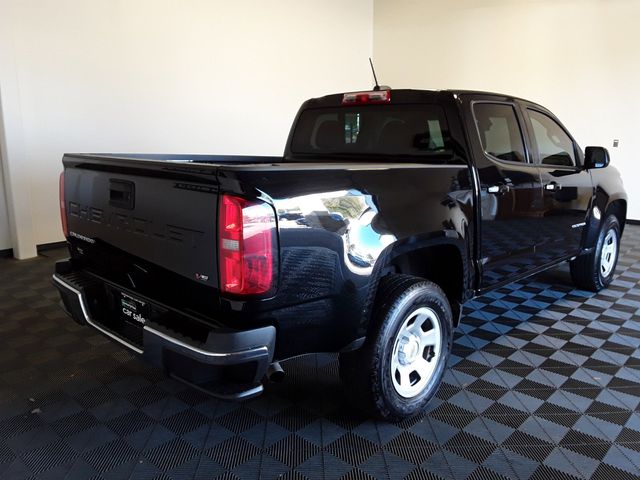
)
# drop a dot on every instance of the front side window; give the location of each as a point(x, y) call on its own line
point(555, 147)
point(499, 131)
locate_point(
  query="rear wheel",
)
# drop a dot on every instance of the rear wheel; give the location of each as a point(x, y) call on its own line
point(400, 366)
point(595, 271)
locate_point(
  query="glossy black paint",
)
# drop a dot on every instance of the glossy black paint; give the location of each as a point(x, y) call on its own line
point(547, 214)
point(337, 229)
point(506, 219)
point(342, 224)
point(567, 193)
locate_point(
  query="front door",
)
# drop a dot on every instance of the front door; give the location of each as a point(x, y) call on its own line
point(567, 188)
point(510, 190)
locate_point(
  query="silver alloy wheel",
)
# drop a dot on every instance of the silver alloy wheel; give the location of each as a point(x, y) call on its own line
point(609, 253)
point(416, 352)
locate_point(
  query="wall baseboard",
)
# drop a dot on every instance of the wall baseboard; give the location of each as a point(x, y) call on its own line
point(8, 252)
point(51, 246)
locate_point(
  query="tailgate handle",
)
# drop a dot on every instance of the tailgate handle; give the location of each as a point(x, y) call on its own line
point(121, 194)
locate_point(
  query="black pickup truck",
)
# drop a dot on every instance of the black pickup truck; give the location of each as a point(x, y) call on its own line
point(388, 210)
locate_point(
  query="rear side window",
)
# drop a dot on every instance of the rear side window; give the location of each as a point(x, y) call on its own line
point(555, 147)
point(499, 130)
point(398, 130)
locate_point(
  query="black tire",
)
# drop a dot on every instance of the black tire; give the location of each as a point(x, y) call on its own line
point(366, 372)
point(586, 270)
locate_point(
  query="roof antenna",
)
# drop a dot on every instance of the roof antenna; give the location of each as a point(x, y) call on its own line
point(377, 87)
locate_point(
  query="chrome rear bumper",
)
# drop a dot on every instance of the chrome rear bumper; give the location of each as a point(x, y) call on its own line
point(231, 364)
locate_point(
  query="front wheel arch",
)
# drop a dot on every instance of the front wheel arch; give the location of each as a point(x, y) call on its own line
point(586, 270)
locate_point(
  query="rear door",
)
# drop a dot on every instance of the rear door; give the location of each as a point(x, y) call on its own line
point(567, 187)
point(510, 189)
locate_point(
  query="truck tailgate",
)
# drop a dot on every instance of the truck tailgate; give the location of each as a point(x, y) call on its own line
point(161, 212)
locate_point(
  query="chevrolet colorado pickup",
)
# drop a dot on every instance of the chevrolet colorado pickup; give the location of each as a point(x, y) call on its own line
point(388, 210)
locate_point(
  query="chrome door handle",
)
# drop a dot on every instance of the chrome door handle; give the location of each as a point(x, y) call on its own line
point(553, 187)
point(500, 189)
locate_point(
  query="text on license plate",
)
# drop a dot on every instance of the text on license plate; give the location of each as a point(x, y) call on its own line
point(133, 308)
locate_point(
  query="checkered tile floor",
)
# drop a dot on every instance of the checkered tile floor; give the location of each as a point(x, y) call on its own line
point(544, 383)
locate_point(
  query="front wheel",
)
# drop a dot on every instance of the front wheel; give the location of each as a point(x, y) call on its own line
point(595, 271)
point(401, 364)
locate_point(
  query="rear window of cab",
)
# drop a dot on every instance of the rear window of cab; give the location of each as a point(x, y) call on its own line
point(397, 130)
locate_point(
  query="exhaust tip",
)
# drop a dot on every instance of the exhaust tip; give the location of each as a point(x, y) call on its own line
point(275, 373)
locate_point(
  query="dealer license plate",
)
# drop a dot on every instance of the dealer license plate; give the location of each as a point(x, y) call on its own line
point(132, 310)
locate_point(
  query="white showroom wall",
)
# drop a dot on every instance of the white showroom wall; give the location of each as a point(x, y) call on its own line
point(224, 77)
point(579, 58)
point(193, 76)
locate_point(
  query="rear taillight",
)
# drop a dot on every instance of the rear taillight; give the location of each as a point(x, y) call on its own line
point(247, 246)
point(63, 208)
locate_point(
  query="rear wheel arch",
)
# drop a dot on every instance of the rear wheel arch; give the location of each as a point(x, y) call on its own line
point(402, 304)
point(441, 261)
